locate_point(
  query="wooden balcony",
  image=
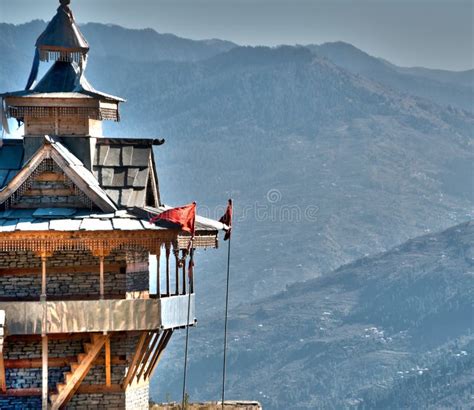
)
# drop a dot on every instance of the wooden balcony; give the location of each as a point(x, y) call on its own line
point(109, 315)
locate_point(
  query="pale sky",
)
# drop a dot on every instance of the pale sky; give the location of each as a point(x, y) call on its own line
point(430, 33)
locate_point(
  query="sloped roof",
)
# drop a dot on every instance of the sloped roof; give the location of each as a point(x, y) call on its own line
point(70, 219)
point(11, 160)
point(63, 78)
point(71, 166)
point(62, 32)
point(124, 168)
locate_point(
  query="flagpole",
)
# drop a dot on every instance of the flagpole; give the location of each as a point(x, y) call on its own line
point(191, 256)
point(225, 325)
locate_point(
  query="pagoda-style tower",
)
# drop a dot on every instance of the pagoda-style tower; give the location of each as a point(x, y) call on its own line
point(82, 327)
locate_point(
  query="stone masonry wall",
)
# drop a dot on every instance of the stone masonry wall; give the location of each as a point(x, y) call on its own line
point(120, 344)
point(69, 285)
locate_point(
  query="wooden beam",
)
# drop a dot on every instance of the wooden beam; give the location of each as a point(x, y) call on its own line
point(108, 373)
point(159, 351)
point(135, 360)
point(146, 357)
point(3, 379)
point(83, 389)
point(58, 336)
point(50, 177)
point(101, 277)
point(109, 268)
point(99, 388)
point(58, 362)
point(176, 273)
point(49, 192)
point(158, 278)
point(65, 394)
point(44, 258)
point(168, 250)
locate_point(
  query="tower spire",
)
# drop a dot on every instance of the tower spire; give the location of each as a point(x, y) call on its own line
point(62, 40)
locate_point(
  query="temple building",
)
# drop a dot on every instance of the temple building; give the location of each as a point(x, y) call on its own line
point(80, 326)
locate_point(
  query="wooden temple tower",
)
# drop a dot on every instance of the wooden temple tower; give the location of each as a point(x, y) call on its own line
point(82, 327)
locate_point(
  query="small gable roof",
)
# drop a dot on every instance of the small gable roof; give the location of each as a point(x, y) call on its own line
point(72, 167)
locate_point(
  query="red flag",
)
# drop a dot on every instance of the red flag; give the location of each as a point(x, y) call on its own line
point(227, 220)
point(184, 216)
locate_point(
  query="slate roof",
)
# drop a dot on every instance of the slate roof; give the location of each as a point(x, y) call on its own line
point(11, 160)
point(70, 219)
point(122, 167)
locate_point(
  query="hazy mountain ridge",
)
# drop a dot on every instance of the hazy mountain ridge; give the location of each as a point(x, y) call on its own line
point(442, 86)
point(344, 340)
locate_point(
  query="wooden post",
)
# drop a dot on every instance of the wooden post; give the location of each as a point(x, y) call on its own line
point(168, 249)
point(158, 285)
point(44, 258)
point(101, 261)
point(108, 378)
point(184, 254)
point(176, 257)
point(3, 380)
point(44, 394)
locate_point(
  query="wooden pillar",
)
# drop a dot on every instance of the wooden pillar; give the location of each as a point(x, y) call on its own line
point(44, 393)
point(168, 250)
point(158, 279)
point(177, 263)
point(3, 379)
point(108, 373)
point(102, 287)
point(44, 258)
point(184, 254)
point(44, 328)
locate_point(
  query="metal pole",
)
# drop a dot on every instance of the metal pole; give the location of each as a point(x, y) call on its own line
point(191, 257)
point(225, 323)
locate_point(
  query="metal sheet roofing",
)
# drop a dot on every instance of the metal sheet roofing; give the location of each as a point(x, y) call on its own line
point(63, 80)
point(63, 32)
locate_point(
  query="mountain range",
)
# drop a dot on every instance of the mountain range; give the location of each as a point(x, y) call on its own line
point(389, 331)
point(333, 157)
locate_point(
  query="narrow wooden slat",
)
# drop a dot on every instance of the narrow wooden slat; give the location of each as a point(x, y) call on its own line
point(136, 356)
point(159, 352)
point(151, 348)
point(140, 357)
